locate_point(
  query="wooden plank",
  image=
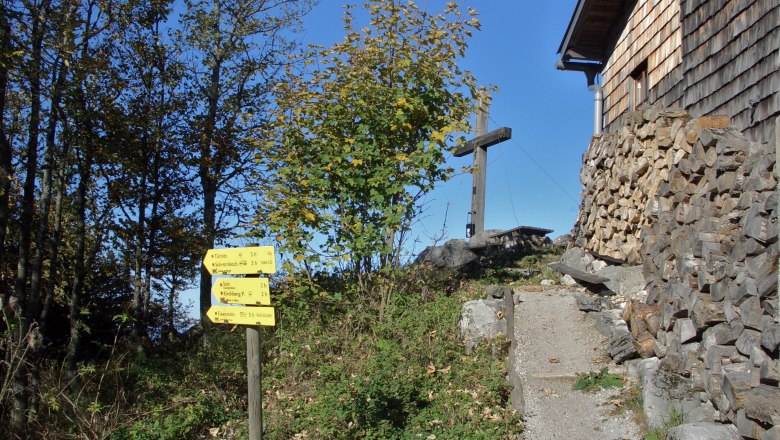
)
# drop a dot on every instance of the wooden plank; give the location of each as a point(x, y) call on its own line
point(484, 141)
point(522, 230)
point(578, 274)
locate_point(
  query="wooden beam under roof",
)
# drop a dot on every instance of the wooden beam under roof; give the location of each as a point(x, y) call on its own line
point(592, 28)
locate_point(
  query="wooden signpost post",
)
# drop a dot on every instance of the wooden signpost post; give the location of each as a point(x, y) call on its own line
point(254, 291)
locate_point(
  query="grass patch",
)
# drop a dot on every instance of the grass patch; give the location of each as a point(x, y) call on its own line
point(597, 380)
point(501, 268)
point(332, 370)
point(675, 418)
point(631, 400)
point(406, 377)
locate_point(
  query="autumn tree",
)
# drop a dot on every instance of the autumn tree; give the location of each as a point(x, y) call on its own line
point(361, 137)
point(149, 180)
point(50, 128)
point(237, 50)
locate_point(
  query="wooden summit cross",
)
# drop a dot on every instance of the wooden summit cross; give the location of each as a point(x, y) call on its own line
point(479, 145)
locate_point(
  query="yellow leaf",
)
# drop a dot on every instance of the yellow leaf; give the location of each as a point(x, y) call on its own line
point(308, 215)
point(298, 257)
point(280, 238)
point(437, 136)
point(401, 157)
point(357, 162)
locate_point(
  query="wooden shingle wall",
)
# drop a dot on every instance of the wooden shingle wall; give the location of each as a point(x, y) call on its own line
point(653, 34)
point(731, 62)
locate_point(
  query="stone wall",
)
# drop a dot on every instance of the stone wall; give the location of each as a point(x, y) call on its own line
point(695, 203)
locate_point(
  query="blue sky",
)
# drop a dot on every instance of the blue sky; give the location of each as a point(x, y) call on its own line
point(533, 179)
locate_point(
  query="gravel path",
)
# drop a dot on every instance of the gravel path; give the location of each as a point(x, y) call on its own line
point(555, 342)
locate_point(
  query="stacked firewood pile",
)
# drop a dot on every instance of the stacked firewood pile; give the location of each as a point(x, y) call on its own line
point(695, 203)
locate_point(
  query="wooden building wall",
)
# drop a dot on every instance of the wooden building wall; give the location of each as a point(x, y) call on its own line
point(707, 56)
point(652, 34)
point(731, 62)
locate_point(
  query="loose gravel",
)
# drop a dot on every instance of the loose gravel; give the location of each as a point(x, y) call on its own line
point(555, 341)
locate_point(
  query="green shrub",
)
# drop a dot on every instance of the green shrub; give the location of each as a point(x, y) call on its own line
point(181, 422)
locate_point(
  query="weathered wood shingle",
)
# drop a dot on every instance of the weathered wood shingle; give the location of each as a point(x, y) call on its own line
point(707, 56)
point(730, 62)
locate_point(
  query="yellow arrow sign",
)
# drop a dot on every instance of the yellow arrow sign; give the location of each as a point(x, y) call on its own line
point(242, 291)
point(242, 315)
point(239, 261)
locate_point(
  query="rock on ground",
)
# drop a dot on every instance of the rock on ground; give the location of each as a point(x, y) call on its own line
point(452, 254)
point(577, 258)
point(703, 431)
point(625, 281)
point(664, 392)
point(480, 320)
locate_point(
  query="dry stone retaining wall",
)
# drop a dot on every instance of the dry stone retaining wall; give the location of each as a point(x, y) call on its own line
point(695, 203)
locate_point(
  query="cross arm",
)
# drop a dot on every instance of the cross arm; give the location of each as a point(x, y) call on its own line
point(485, 141)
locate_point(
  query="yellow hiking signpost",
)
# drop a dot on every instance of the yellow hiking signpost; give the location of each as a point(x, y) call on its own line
point(252, 291)
point(242, 291)
point(240, 261)
point(264, 316)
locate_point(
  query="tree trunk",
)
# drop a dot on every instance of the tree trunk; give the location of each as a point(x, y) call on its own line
point(21, 389)
point(6, 151)
point(209, 187)
point(85, 176)
point(140, 243)
point(172, 292)
point(33, 307)
point(31, 168)
point(209, 235)
point(154, 220)
point(54, 246)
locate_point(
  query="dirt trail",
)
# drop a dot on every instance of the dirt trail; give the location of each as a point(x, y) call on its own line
point(555, 341)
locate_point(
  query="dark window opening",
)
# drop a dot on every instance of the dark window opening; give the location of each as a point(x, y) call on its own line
point(639, 85)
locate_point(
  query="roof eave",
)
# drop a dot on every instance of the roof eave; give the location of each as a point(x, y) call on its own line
point(570, 29)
